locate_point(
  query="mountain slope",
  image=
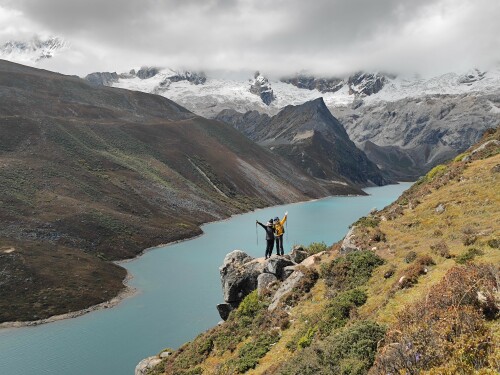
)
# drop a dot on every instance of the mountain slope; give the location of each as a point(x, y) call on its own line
point(91, 174)
point(312, 138)
point(413, 288)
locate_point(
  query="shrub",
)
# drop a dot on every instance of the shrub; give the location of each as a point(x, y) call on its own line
point(316, 247)
point(378, 236)
point(468, 255)
point(350, 271)
point(250, 305)
point(410, 256)
point(440, 248)
point(445, 329)
point(494, 243)
point(460, 157)
point(469, 239)
point(437, 170)
point(339, 309)
point(250, 353)
point(367, 221)
point(350, 351)
point(414, 271)
point(306, 339)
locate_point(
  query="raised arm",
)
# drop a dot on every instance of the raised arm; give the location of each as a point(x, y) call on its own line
point(262, 225)
point(284, 218)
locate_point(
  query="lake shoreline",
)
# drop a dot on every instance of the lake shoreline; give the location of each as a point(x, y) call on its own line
point(128, 291)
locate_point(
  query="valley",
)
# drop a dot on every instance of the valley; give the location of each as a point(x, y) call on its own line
point(95, 174)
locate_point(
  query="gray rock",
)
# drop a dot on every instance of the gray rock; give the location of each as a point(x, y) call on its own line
point(287, 271)
point(287, 286)
point(260, 86)
point(165, 354)
point(102, 78)
point(239, 274)
point(146, 364)
point(147, 72)
point(440, 208)
point(264, 280)
point(276, 265)
point(225, 309)
point(349, 244)
point(298, 254)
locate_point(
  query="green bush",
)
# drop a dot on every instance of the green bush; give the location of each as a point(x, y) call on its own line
point(468, 255)
point(494, 243)
point(437, 170)
point(316, 247)
point(410, 256)
point(250, 305)
point(250, 353)
point(349, 352)
point(339, 310)
point(367, 221)
point(350, 271)
point(306, 340)
point(460, 157)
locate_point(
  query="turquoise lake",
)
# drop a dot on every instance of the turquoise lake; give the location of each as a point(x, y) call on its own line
point(178, 288)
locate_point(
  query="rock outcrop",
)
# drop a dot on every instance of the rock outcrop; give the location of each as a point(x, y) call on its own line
point(261, 86)
point(313, 139)
point(102, 78)
point(241, 274)
point(146, 364)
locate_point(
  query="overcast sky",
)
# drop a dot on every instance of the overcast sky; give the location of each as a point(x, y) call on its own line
point(277, 37)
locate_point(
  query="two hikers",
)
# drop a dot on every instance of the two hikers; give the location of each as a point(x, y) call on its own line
point(274, 232)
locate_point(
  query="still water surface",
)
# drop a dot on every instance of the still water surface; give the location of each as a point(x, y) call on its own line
point(179, 287)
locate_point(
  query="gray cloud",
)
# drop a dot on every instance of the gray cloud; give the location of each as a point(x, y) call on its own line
point(331, 37)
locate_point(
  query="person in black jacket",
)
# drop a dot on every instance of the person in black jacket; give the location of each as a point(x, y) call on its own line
point(269, 228)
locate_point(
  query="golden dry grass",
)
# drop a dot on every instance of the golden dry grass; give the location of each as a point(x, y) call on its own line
point(472, 203)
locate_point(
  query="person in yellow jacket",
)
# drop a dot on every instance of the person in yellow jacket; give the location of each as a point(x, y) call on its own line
point(279, 230)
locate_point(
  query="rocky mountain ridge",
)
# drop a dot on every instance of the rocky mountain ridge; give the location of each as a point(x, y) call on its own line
point(312, 138)
point(406, 125)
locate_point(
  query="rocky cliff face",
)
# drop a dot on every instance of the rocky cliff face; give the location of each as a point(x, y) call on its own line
point(102, 78)
point(309, 82)
point(311, 137)
point(261, 86)
point(241, 274)
point(410, 136)
point(359, 84)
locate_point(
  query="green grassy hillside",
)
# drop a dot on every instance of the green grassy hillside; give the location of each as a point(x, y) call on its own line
point(420, 296)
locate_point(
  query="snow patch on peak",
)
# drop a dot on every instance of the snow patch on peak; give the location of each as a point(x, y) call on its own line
point(34, 50)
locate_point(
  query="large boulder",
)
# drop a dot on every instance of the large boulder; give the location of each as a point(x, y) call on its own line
point(263, 282)
point(349, 242)
point(287, 286)
point(239, 274)
point(225, 309)
point(276, 266)
point(298, 254)
point(146, 364)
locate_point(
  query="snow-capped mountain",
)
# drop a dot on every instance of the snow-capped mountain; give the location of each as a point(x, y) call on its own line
point(33, 50)
point(208, 96)
point(405, 124)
